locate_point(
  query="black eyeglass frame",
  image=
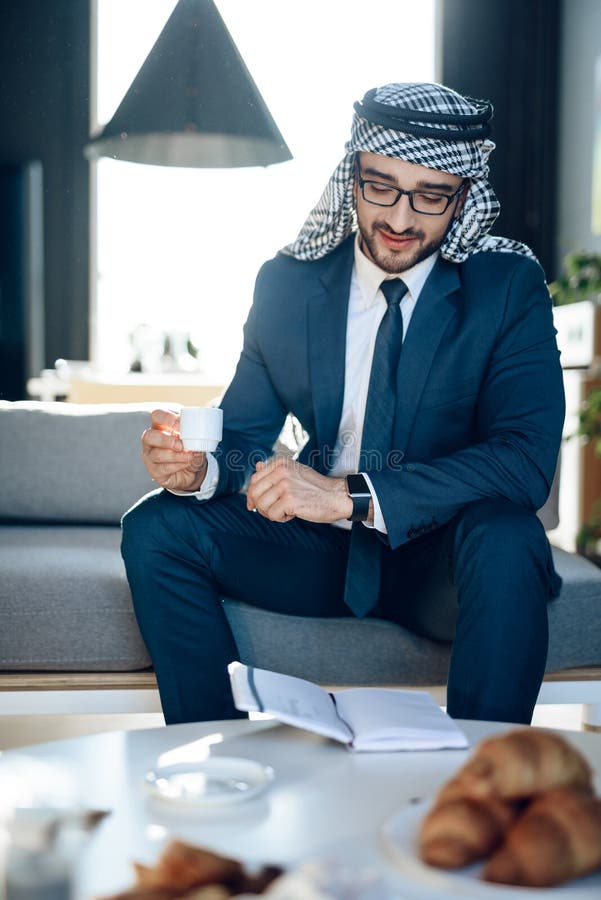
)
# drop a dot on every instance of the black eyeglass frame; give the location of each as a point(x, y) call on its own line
point(399, 193)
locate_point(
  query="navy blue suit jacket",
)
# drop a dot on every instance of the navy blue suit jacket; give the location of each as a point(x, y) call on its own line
point(480, 402)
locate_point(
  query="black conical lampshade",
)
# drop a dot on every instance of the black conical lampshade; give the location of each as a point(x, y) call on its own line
point(193, 102)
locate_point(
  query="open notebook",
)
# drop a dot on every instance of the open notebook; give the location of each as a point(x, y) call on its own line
point(362, 718)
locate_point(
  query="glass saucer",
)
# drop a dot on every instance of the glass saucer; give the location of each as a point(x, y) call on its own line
point(216, 781)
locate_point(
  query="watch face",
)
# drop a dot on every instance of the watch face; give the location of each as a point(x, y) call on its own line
point(357, 486)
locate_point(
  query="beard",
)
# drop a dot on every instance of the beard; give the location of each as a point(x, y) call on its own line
point(394, 262)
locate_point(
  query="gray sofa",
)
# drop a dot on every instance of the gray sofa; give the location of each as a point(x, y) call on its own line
point(68, 473)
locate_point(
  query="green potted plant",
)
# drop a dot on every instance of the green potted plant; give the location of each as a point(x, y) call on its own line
point(588, 539)
point(580, 284)
point(581, 279)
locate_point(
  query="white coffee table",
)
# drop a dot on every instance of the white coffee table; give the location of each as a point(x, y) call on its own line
point(324, 800)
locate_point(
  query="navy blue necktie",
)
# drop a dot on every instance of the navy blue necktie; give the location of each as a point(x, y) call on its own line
point(363, 568)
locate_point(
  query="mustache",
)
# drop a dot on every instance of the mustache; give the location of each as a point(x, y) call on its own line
point(407, 233)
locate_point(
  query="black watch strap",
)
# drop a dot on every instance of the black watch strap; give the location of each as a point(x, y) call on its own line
point(359, 492)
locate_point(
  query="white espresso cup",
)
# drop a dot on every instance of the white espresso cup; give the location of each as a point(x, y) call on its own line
point(200, 427)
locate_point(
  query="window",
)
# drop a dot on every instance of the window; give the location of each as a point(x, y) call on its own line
point(168, 255)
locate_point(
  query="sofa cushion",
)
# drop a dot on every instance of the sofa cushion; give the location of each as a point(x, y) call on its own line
point(71, 462)
point(65, 603)
point(337, 650)
point(574, 632)
point(345, 651)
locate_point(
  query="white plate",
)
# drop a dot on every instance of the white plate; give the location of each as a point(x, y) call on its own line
point(400, 836)
point(216, 781)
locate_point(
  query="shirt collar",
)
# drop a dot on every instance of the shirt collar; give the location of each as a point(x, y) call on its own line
point(370, 276)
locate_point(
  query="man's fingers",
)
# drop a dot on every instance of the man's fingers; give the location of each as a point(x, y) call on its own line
point(279, 511)
point(175, 465)
point(275, 464)
point(270, 472)
point(164, 470)
point(266, 488)
point(183, 457)
point(270, 482)
point(164, 419)
point(164, 456)
point(275, 484)
point(268, 499)
point(153, 439)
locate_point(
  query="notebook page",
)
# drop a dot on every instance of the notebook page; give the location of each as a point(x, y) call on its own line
point(389, 719)
point(291, 700)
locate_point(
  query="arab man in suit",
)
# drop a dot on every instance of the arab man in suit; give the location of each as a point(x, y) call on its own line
point(418, 353)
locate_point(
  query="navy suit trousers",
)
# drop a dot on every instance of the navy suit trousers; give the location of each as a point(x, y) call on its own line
point(483, 580)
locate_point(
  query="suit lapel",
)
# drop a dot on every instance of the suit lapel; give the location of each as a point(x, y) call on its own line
point(328, 308)
point(327, 319)
point(430, 318)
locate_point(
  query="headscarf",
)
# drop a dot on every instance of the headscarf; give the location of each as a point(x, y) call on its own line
point(427, 124)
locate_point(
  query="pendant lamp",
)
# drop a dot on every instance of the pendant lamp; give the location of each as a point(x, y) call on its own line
point(193, 103)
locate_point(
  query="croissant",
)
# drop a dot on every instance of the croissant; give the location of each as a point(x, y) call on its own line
point(182, 866)
point(462, 830)
point(522, 763)
point(556, 839)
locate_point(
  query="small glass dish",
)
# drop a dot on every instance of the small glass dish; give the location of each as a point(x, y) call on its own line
point(215, 781)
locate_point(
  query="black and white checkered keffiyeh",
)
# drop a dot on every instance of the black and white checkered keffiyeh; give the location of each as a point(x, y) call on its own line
point(463, 149)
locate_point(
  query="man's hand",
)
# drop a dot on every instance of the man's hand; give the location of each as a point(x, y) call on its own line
point(164, 456)
point(282, 489)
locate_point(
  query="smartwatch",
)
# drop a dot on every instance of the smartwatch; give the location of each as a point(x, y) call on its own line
point(358, 490)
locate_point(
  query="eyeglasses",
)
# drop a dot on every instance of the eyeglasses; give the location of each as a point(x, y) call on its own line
point(427, 203)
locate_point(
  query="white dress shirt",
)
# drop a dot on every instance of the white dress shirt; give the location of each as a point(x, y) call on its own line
point(366, 309)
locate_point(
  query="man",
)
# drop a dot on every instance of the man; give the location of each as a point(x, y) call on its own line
point(415, 350)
